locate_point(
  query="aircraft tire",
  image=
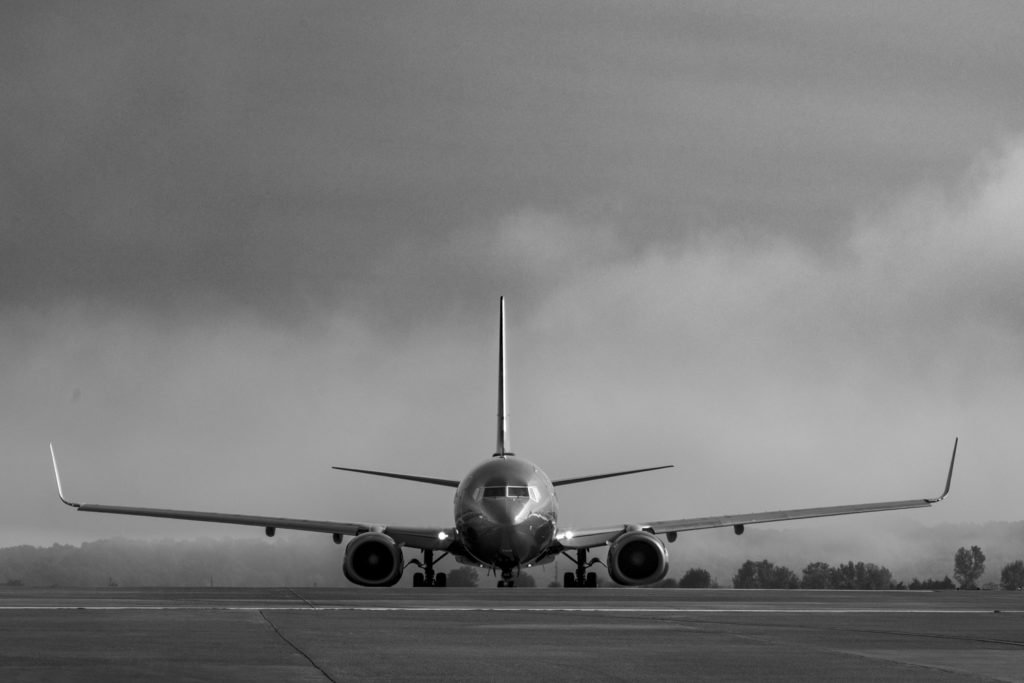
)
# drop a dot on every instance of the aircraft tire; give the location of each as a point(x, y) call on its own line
point(569, 580)
point(417, 580)
point(591, 580)
point(441, 580)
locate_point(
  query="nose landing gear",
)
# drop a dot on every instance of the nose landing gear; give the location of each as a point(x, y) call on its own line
point(506, 579)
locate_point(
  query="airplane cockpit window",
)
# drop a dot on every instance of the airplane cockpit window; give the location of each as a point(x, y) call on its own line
point(507, 492)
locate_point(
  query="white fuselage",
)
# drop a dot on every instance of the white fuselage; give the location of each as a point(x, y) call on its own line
point(506, 513)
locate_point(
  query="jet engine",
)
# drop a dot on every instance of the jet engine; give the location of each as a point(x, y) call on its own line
point(373, 559)
point(637, 558)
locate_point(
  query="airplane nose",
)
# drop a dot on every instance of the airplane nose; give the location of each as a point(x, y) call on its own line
point(506, 512)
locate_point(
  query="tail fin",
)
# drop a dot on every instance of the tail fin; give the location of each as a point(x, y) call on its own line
point(503, 448)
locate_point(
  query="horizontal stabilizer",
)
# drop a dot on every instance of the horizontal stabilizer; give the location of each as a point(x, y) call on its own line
point(576, 480)
point(453, 483)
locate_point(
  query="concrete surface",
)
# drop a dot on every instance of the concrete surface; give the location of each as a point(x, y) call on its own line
point(219, 634)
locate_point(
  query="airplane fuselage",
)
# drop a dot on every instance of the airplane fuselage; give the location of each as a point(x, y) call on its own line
point(506, 513)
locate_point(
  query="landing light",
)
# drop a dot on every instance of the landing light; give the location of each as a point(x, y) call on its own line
point(565, 536)
point(442, 536)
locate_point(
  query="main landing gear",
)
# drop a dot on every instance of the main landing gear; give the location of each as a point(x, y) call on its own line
point(580, 578)
point(428, 577)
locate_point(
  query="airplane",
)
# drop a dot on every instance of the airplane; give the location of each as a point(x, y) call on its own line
point(505, 519)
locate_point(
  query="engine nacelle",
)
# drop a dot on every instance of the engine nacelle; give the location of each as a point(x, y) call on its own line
point(637, 558)
point(373, 559)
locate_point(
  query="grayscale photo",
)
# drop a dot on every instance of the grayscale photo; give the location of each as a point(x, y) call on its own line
point(488, 340)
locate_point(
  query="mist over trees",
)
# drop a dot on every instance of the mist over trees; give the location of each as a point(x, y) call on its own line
point(1012, 576)
point(914, 556)
point(908, 549)
point(968, 566)
point(203, 562)
point(764, 574)
point(849, 576)
point(946, 584)
point(463, 577)
point(696, 578)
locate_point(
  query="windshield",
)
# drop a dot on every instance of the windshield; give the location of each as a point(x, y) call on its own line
point(529, 492)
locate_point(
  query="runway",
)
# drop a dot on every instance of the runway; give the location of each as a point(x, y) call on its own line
point(309, 634)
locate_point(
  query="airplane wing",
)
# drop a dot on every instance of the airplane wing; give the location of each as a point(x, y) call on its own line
point(589, 538)
point(416, 537)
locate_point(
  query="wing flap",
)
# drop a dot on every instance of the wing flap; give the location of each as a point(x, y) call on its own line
point(694, 524)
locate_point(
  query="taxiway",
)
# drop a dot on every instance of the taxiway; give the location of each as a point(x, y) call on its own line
point(309, 634)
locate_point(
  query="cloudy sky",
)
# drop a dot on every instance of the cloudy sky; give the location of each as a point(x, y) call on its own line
point(779, 245)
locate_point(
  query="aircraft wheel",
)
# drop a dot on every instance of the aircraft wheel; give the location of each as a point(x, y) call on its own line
point(441, 580)
point(591, 580)
point(501, 584)
point(417, 580)
point(569, 580)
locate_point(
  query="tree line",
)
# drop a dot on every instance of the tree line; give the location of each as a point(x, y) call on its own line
point(968, 567)
point(249, 562)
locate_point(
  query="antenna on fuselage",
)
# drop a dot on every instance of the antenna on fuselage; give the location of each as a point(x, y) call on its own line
point(503, 448)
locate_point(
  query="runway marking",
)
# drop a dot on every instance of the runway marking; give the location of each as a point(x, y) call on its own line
point(623, 610)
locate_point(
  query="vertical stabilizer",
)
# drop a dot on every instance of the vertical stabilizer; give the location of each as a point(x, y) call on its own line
point(504, 447)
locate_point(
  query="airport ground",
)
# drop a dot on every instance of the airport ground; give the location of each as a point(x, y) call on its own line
point(323, 634)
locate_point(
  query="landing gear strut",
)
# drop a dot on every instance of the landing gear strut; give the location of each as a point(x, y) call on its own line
point(580, 578)
point(428, 577)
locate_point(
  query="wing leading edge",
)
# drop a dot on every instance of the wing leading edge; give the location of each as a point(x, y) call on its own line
point(415, 537)
point(588, 538)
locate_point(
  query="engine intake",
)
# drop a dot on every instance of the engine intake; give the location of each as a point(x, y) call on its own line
point(373, 559)
point(637, 558)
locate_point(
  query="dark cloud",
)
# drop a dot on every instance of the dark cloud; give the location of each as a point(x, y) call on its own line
point(282, 157)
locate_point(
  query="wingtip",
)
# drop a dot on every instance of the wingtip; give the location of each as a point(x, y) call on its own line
point(56, 474)
point(949, 476)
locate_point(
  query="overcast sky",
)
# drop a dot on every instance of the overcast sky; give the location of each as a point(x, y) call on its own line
point(777, 244)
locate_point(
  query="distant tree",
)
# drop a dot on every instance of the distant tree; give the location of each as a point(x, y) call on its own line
point(463, 577)
point(667, 582)
point(860, 576)
point(968, 566)
point(817, 575)
point(525, 580)
point(764, 574)
point(932, 585)
point(696, 578)
point(1012, 577)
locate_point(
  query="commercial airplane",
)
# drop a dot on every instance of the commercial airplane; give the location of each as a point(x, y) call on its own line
point(506, 518)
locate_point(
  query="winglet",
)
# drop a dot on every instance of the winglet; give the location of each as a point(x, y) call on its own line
point(949, 477)
point(56, 472)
